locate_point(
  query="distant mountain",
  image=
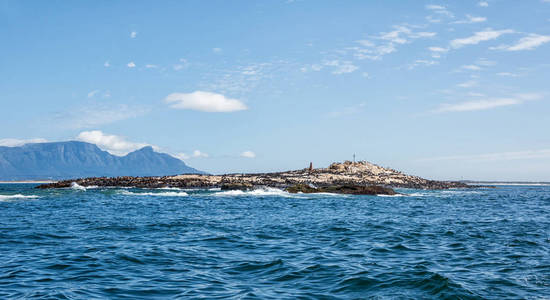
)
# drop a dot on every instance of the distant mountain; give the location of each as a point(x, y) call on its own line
point(66, 160)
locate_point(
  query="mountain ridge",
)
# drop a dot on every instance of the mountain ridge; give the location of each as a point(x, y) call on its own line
point(76, 159)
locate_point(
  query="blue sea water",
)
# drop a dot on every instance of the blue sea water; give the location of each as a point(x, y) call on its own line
point(155, 244)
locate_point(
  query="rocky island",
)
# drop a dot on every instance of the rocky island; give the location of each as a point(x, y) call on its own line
point(346, 178)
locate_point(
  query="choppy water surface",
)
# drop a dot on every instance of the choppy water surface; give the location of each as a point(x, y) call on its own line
point(131, 243)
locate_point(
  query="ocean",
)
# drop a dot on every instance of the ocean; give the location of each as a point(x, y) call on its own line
point(124, 243)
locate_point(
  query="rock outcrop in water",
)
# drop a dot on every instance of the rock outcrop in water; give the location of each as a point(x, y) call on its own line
point(346, 178)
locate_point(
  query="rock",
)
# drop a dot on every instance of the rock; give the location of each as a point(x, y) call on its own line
point(342, 189)
point(301, 188)
point(242, 186)
point(359, 190)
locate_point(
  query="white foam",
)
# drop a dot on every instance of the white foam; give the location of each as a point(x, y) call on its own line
point(17, 196)
point(268, 191)
point(172, 189)
point(77, 187)
point(162, 194)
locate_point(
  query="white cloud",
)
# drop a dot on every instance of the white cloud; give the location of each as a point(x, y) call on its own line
point(113, 144)
point(133, 34)
point(470, 20)
point(92, 93)
point(151, 66)
point(529, 42)
point(195, 154)
point(478, 37)
point(96, 115)
point(204, 101)
point(131, 64)
point(248, 154)
point(341, 67)
point(18, 142)
point(485, 104)
point(483, 4)
point(106, 64)
point(217, 50)
point(199, 154)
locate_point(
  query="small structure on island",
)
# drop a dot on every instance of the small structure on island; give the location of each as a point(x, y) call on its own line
point(310, 166)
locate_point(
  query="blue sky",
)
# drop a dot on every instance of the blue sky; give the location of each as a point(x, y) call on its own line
point(441, 89)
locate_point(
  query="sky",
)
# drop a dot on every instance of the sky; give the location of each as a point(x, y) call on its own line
point(440, 89)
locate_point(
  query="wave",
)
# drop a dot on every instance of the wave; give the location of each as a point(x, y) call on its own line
point(77, 187)
point(268, 191)
point(17, 196)
point(161, 194)
point(167, 188)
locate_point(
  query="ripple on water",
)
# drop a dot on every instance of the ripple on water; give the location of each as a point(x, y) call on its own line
point(268, 244)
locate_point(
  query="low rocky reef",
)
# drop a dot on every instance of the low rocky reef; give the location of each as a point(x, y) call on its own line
point(342, 189)
point(344, 178)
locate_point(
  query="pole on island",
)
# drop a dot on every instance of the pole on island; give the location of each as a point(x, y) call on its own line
point(353, 157)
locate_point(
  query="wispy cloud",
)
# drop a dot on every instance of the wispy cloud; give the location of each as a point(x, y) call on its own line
point(437, 51)
point(195, 154)
point(468, 84)
point(375, 47)
point(133, 34)
point(131, 65)
point(204, 101)
point(478, 37)
point(111, 143)
point(20, 142)
point(96, 115)
point(341, 67)
point(439, 9)
point(422, 62)
point(485, 104)
point(529, 42)
point(483, 4)
point(471, 67)
point(106, 64)
point(507, 74)
point(182, 64)
point(92, 93)
point(470, 20)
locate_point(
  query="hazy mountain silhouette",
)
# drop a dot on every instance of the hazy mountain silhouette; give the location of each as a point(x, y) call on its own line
point(65, 160)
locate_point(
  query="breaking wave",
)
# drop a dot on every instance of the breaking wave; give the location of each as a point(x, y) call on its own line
point(77, 187)
point(268, 191)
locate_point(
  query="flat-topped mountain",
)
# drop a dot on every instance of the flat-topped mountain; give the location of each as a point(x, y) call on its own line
point(346, 174)
point(64, 160)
